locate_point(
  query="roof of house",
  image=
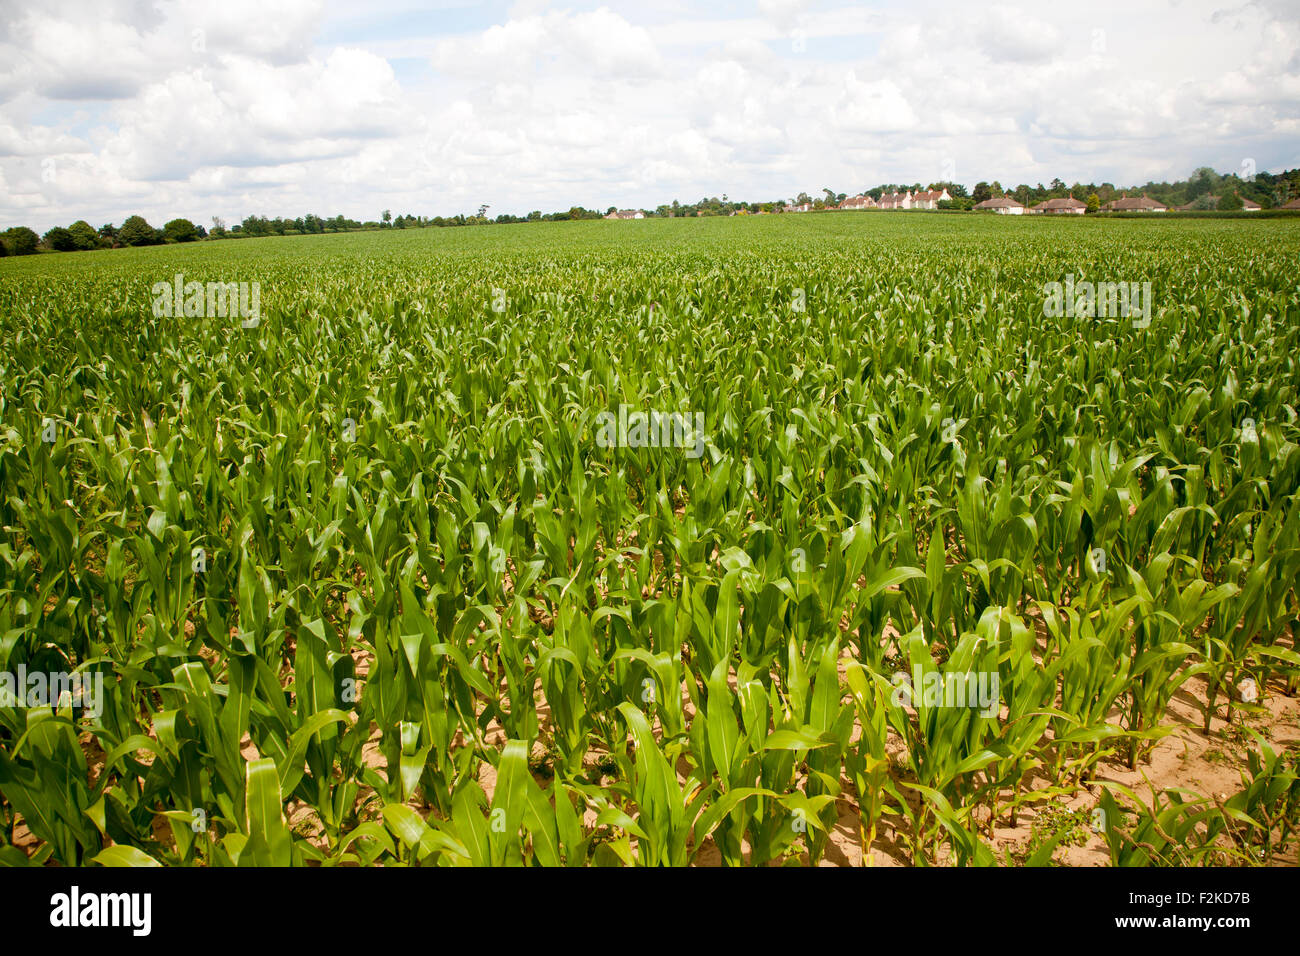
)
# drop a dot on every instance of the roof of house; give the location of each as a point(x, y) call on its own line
point(1133, 202)
point(1068, 202)
point(1212, 202)
point(998, 202)
point(930, 195)
point(857, 202)
point(1293, 204)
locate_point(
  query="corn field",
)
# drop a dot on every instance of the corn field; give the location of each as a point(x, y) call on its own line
point(374, 579)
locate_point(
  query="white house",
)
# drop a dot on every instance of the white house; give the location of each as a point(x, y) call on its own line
point(1135, 204)
point(896, 200)
point(1003, 205)
point(1067, 206)
point(930, 198)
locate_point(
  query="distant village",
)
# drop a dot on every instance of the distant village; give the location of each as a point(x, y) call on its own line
point(919, 199)
point(1205, 191)
point(1004, 205)
point(1007, 206)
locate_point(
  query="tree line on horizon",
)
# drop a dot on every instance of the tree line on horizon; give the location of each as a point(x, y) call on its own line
point(1204, 189)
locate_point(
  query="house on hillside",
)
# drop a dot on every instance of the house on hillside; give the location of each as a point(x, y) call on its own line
point(1069, 206)
point(1249, 205)
point(626, 214)
point(858, 202)
point(1003, 205)
point(930, 198)
point(1135, 204)
point(801, 207)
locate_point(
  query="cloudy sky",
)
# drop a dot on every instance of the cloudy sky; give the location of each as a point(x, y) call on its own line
point(202, 108)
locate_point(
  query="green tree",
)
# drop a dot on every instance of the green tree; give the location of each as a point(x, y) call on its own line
point(1202, 182)
point(180, 230)
point(83, 233)
point(1094, 203)
point(20, 241)
point(136, 232)
point(982, 192)
point(60, 240)
point(255, 226)
point(1229, 202)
